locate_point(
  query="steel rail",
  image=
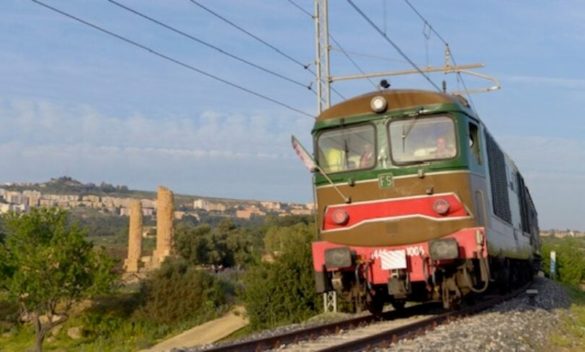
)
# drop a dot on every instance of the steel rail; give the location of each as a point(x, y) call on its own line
point(391, 336)
point(381, 339)
point(295, 336)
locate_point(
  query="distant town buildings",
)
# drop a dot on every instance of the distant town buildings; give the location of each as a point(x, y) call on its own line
point(22, 201)
point(209, 206)
point(562, 233)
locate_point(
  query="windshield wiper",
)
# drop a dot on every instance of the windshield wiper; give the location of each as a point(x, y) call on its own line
point(414, 116)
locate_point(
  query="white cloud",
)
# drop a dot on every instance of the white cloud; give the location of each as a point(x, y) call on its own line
point(210, 154)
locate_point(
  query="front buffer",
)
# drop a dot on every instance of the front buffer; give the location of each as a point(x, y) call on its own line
point(444, 269)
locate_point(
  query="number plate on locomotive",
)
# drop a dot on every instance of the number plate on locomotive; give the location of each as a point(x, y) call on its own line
point(391, 260)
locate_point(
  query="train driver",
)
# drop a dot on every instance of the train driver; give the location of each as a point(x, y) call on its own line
point(443, 150)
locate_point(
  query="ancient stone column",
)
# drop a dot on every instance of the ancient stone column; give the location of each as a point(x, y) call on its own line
point(164, 225)
point(134, 237)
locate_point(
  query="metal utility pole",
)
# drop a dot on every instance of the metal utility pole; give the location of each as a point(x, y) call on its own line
point(322, 55)
point(325, 79)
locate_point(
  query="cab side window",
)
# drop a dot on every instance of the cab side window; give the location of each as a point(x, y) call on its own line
point(474, 143)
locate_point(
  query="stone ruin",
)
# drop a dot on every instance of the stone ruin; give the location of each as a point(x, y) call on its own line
point(132, 263)
point(164, 225)
point(164, 233)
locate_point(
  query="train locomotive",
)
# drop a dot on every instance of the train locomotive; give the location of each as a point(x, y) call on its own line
point(415, 201)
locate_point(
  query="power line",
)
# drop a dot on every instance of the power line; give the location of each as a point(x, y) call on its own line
point(370, 56)
point(200, 41)
point(243, 30)
point(359, 11)
point(352, 61)
point(343, 51)
point(339, 47)
point(428, 24)
point(168, 58)
point(300, 8)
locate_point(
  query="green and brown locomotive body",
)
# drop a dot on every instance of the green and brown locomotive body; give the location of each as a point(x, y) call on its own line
point(416, 201)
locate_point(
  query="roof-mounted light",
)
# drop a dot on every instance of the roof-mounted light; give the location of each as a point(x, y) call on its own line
point(378, 104)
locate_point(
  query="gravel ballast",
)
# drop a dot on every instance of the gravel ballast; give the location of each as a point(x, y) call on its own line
point(515, 325)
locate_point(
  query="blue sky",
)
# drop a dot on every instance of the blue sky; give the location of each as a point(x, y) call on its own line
point(76, 102)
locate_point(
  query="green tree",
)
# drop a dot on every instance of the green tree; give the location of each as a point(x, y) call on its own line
point(192, 243)
point(283, 291)
point(49, 266)
point(278, 237)
point(226, 244)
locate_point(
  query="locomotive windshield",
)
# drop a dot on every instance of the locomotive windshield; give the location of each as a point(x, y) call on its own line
point(348, 148)
point(422, 139)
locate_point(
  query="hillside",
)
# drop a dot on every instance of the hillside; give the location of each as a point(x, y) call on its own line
point(68, 193)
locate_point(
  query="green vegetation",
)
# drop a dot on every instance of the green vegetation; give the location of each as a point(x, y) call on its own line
point(99, 224)
point(570, 334)
point(48, 266)
point(179, 292)
point(570, 254)
point(216, 265)
point(282, 292)
point(225, 245)
point(170, 300)
point(68, 185)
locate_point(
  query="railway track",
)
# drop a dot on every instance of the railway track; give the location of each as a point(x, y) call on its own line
point(366, 332)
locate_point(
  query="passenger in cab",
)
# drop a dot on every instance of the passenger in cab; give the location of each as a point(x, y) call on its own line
point(367, 157)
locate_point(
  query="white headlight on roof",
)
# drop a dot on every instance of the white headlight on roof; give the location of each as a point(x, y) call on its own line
point(378, 104)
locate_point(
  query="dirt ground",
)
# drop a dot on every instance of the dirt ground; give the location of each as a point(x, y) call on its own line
point(209, 332)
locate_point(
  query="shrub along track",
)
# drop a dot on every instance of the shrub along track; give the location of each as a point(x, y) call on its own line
point(367, 331)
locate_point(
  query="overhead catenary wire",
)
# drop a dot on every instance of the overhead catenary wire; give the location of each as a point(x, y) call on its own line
point(391, 42)
point(243, 30)
point(300, 8)
point(168, 58)
point(370, 56)
point(432, 29)
point(354, 63)
point(426, 22)
point(341, 49)
point(257, 38)
point(209, 45)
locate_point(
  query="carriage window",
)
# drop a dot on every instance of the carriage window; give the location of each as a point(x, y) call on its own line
point(347, 148)
point(422, 139)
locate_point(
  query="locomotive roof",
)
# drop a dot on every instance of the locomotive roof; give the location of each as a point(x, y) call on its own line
point(398, 99)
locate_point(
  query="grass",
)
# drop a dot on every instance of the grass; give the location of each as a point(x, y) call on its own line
point(570, 335)
point(122, 335)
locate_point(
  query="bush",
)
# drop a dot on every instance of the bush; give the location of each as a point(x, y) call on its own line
point(179, 292)
point(570, 260)
point(283, 292)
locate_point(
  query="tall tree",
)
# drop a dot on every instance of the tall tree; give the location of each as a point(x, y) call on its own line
point(49, 266)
